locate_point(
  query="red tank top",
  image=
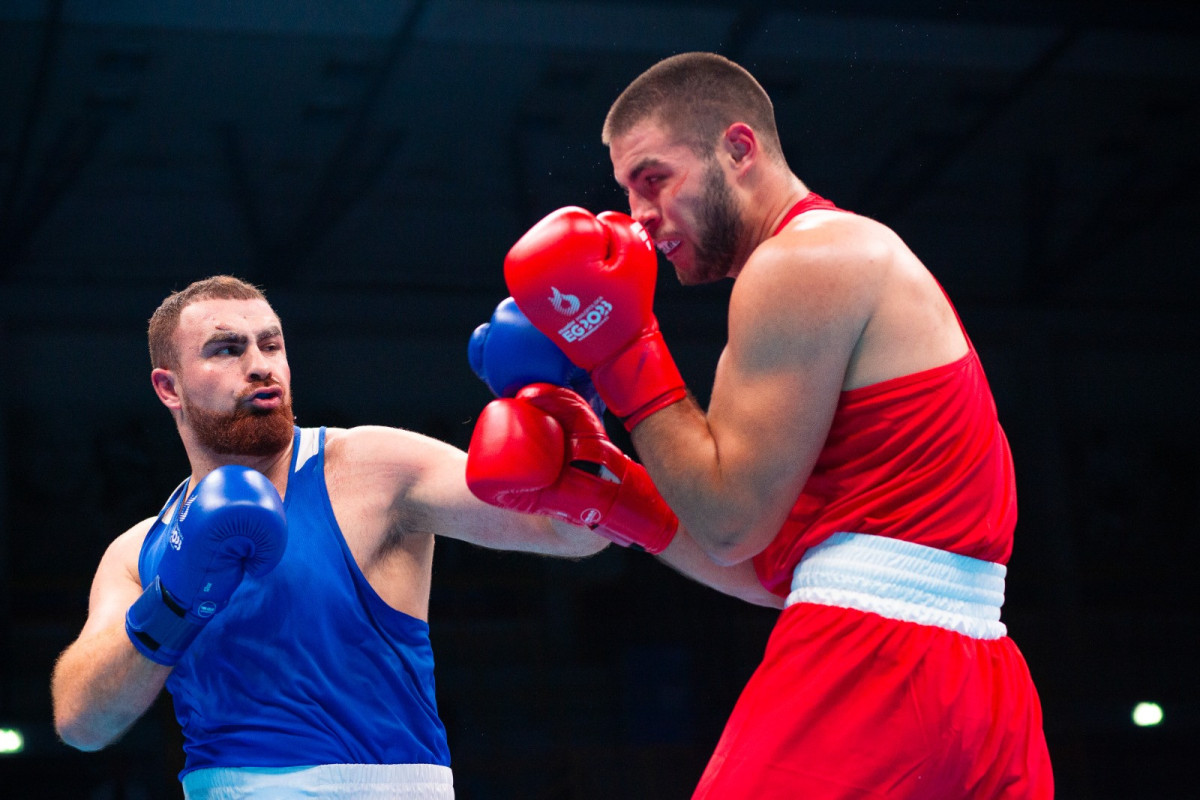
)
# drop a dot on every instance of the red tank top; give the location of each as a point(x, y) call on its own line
point(921, 458)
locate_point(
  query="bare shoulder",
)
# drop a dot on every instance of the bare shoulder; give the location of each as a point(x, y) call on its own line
point(121, 555)
point(392, 451)
point(815, 284)
point(853, 276)
point(116, 583)
point(385, 481)
point(824, 247)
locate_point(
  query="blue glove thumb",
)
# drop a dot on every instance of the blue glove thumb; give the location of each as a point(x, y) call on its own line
point(508, 353)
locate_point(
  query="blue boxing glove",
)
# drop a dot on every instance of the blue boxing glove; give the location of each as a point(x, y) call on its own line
point(509, 353)
point(233, 524)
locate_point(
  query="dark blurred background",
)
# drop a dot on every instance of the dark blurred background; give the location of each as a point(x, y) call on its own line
point(369, 163)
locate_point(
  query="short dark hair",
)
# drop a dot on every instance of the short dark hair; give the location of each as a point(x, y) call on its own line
point(696, 97)
point(165, 319)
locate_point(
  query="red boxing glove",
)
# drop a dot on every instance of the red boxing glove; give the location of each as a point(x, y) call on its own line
point(587, 282)
point(545, 452)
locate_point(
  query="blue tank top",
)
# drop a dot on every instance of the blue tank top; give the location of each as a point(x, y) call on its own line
point(306, 665)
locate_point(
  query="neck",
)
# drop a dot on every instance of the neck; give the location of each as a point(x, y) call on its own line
point(768, 204)
point(791, 191)
point(274, 466)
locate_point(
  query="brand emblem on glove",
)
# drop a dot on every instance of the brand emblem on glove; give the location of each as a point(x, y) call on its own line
point(590, 517)
point(565, 304)
point(176, 540)
point(206, 609)
point(583, 325)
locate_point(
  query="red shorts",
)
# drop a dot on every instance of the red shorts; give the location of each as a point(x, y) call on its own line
point(848, 704)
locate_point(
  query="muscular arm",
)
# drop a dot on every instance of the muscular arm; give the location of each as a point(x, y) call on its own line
point(732, 474)
point(101, 685)
point(426, 481)
point(737, 580)
point(443, 492)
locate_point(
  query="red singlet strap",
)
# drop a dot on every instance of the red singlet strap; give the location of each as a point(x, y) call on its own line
point(807, 203)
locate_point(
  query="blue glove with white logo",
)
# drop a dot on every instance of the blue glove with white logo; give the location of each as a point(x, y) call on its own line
point(233, 524)
point(509, 353)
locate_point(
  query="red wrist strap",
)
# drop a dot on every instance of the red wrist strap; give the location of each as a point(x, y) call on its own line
point(640, 380)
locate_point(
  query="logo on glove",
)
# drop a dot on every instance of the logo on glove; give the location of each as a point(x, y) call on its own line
point(565, 304)
point(583, 325)
point(590, 517)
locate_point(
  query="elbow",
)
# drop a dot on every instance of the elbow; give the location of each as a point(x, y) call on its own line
point(731, 543)
point(81, 730)
point(81, 737)
point(725, 550)
point(725, 554)
point(87, 746)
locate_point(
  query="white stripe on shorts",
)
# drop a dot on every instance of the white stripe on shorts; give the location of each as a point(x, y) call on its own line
point(324, 781)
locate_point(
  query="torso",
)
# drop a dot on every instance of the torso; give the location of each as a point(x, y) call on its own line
point(341, 601)
point(914, 450)
point(393, 553)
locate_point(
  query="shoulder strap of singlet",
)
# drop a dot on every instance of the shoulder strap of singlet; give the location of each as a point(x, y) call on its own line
point(176, 495)
point(308, 443)
point(809, 202)
point(156, 538)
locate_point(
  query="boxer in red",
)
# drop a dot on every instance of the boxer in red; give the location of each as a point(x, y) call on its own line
point(851, 450)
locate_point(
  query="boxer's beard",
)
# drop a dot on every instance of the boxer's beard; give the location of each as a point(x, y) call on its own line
point(245, 431)
point(720, 229)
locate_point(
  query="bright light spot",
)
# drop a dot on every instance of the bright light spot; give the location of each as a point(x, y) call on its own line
point(1147, 715)
point(11, 741)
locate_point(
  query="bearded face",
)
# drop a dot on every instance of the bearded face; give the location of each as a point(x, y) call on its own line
point(244, 431)
point(719, 229)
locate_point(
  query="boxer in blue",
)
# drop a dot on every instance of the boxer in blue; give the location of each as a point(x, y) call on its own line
point(281, 594)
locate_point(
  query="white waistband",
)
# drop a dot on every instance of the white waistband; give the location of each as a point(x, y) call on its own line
point(325, 781)
point(903, 581)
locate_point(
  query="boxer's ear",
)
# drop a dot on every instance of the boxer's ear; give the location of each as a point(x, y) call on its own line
point(164, 384)
point(740, 145)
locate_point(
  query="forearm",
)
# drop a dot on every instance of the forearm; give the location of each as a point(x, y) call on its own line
point(696, 478)
point(577, 541)
point(100, 687)
point(504, 529)
point(739, 580)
